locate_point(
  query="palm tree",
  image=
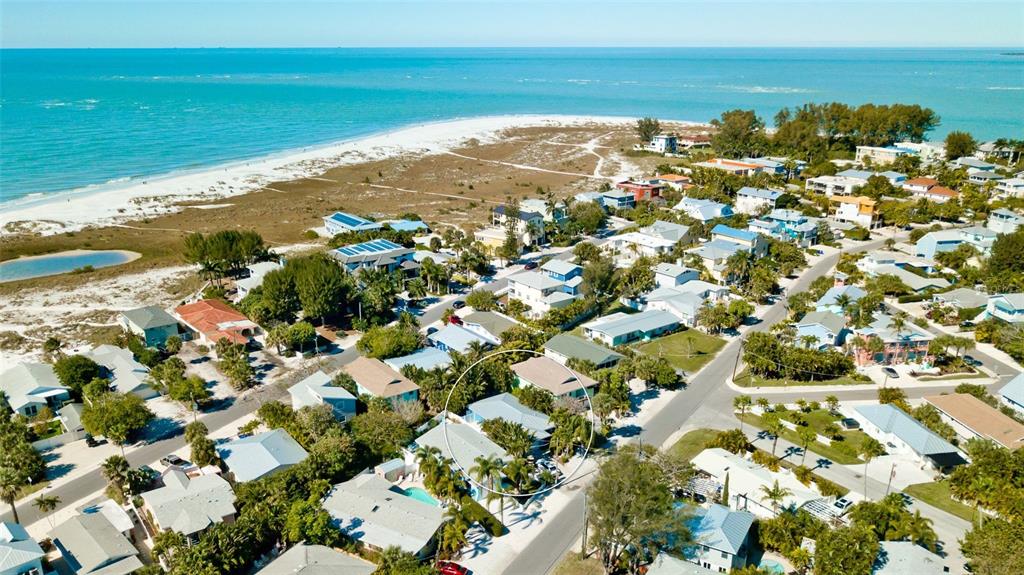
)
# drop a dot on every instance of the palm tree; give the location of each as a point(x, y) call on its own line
point(116, 469)
point(843, 302)
point(832, 402)
point(453, 533)
point(764, 404)
point(773, 425)
point(899, 323)
point(46, 504)
point(776, 494)
point(742, 403)
point(488, 469)
point(807, 437)
point(870, 448)
point(518, 472)
point(11, 484)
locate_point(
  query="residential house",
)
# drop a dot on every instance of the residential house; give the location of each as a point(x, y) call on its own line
point(305, 559)
point(683, 304)
point(19, 552)
point(880, 155)
point(703, 210)
point(979, 238)
point(115, 514)
point(834, 185)
point(453, 337)
point(982, 177)
point(189, 505)
point(564, 347)
point(542, 291)
point(827, 329)
point(70, 417)
point(1012, 187)
point(671, 231)
point(376, 254)
point(29, 387)
point(1008, 307)
point(746, 480)
point(462, 443)
point(1003, 221)
point(929, 189)
point(972, 163)
point(562, 270)
point(856, 209)
point(412, 226)
point(828, 301)
point(721, 538)
point(895, 178)
point(714, 255)
point(662, 144)
point(641, 191)
point(776, 166)
point(530, 225)
point(151, 323)
point(993, 149)
point(125, 374)
point(907, 558)
point(677, 182)
point(340, 223)
point(618, 200)
point(916, 283)
point(211, 320)
point(961, 298)
point(972, 418)
point(491, 325)
point(665, 564)
point(372, 511)
point(919, 185)
point(374, 378)
point(539, 206)
point(585, 197)
point(671, 275)
point(750, 241)
point(936, 242)
point(929, 152)
point(1012, 393)
point(788, 226)
point(91, 545)
point(621, 328)
point(908, 344)
point(755, 200)
point(694, 141)
point(631, 246)
point(731, 166)
point(427, 358)
point(261, 455)
point(257, 272)
point(317, 389)
point(906, 436)
point(507, 407)
point(546, 373)
point(880, 261)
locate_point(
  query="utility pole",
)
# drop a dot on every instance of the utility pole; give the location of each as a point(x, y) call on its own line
point(892, 473)
point(583, 546)
point(736, 364)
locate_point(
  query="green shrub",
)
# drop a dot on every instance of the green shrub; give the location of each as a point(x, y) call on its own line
point(477, 514)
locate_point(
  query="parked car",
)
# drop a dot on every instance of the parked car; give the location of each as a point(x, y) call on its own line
point(967, 324)
point(530, 266)
point(94, 441)
point(431, 330)
point(172, 460)
point(849, 423)
point(971, 361)
point(455, 319)
point(842, 504)
point(890, 372)
point(451, 568)
point(458, 304)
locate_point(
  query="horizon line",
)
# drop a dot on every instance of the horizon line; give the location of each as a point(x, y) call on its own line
point(536, 47)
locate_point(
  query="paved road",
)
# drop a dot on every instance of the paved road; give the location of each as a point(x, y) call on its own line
point(707, 390)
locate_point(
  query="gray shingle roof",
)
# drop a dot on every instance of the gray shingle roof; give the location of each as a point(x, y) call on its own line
point(261, 455)
point(582, 349)
point(829, 320)
point(906, 558)
point(465, 442)
point(891, 419)
point(495, 323)
point(506, 406)
point(190, 505)
point(618, 324)
point(148, 317)
point(317, 560)
point(89, 543)
point(30, 382)
point(665, 564)
point(666, 230)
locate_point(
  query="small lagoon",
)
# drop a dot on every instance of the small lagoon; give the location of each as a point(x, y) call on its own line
point(60, 263)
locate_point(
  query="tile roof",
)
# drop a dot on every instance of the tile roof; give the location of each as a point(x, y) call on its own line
point(215, 319)
point(582, 349)
point(190, 505)
point(306, 559)
point(980, 418)
point(891, 419)
point(148, 317)
point(546, 373)
point(261, 455)
point(921, 181)
point(378, 378)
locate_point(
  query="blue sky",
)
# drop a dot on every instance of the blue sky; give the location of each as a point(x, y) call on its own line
point(329, 23)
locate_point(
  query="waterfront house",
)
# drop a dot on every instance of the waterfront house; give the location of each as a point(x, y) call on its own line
point(261, 455)
point(151, 323)
point(189, 505)
point(211, 320)
point(908, 437)
point(859, 210)
point(670, 275)
point(546, 373)
point(305, 559)
point(749, 241)
point(125, 374)
point(746, 480)
point(641, 191)
point(375, 378)
point(1003, 221)
point(564, 347)
point(662, 144)
point(508, 407)
point(906, 558)
point(880, 155)
point(961, 298)
point(340, 222)
point(972, 418)
point(621, 328)
point(1012, 393)
point(828, 303)
point(529, 225)
point(317, 389)
point(454, 337)
point(677, 182)
point(91, 545)
point(30, 387)
point(909, 344)
point(370, 510)
point(1008, 307)
point(257, 272)
point(972, 163)
point(755, 200)
point(895, 178)
point(427, 358)
point(378, 254)
point(730, 166)
point(703, 210)
point(929, 152)
point(982, 177)
point(1011, 187)
point(19, 552)
point(827, 329)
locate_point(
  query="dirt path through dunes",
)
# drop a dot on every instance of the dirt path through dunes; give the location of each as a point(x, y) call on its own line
point(439, 194)
point(591, 148)
point(527, 167)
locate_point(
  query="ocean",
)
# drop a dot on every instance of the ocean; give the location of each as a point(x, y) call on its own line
point(71, 119)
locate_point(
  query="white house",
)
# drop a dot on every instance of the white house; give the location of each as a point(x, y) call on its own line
point(1003, 221)
point(703, 210)
point(1011, 187)
point(631, 246)
point(340, 222)
point(125, 374)
point(1008, 307)
point(859, 210)
point(834, 185)
point(256, 273)
point(671, 275)
point(32, 386)
point(721, 538)
point(755, 200)
point(541, 292)
point(746, 480)
point(908, 437)
point(880, 155)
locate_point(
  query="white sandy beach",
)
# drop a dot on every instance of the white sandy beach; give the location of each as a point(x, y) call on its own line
point(75, 210)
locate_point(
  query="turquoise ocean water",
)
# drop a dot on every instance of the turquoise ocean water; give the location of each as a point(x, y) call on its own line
point(76, 118)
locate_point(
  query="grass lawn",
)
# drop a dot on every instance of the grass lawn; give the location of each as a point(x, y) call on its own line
point(743, 379)
point(687, 350)
point(937, 495)
point(693, 442)
point(573, 564)
point(975, 375)
point(839, 455)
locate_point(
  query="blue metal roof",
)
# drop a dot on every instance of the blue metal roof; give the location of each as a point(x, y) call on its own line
point(724, 230)
point(721, 528)
point(408, 225)
point(352, 221)
point(370, 247)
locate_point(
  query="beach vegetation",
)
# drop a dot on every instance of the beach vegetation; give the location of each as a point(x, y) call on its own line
point(224, 253)
point(647, 128)
point(960, 144)
point(75, 372)
point(115, 416)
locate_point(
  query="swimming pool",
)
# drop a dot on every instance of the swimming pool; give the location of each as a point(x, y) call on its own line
point(63, 262)
point(772, 566)
point(420, 495)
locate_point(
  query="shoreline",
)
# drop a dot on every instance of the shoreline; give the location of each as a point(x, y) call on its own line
point(130, 255)
point(105, 205)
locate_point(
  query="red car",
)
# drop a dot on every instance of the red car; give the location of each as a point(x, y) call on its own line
point(455, 319)
point(449, 568)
